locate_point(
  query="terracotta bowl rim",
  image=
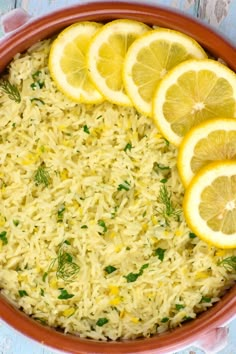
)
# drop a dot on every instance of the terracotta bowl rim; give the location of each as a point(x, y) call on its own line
point(45, 26)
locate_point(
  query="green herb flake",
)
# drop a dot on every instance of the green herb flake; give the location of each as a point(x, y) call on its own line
point(11, 90)
point(128, 146)
point(3, 237)
point(34, 86)
point(16, 222)
point(22, 293)
point(166, 141)
point(42, 176)
point(64, 295)
point(84, 227)
point(103, 225)
point(160, 253)
point(86, 129)
point(36, 74)
point(162, 167)
point(165, 319)
point(124, 186)
point(132, 277)
point(192, 235)
point(205, 299)
point(45, 276)
point(99, 117)
point(41, 292)
point(179, 307)
point(110, 269)
point(228, 263)
point(144, 266)
point(101, 321)
point(35, 99)
point(67, 242)
point(164, 180)
point(60, 213)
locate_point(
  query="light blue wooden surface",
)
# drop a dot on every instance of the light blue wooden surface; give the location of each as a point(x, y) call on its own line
point(221, 15)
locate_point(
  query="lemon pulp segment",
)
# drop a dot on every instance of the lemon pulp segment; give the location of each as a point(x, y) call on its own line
point(67, 62)
point(149, 59)
point(212, 140)
point(106, 57)
point(192, 92)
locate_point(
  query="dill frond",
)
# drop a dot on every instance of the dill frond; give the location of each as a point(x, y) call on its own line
point(168, 209)
point(42, 176)
point(11, 90)
point(229, 263)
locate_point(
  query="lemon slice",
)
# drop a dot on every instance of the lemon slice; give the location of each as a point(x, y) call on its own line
point(106, 56)
point(148, 60)
point(193, 91)
point(67, 62)
point(209, 141)
point(210, 204)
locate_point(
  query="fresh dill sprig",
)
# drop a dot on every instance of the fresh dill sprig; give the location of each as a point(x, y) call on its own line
point(11, 90)
point(66, 268)
point(168, 209)
point(42, 176)
point(229, 263)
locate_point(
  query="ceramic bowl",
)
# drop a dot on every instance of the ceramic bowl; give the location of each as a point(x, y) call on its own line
point(206, 331)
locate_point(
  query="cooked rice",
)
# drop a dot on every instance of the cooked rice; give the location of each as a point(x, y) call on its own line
point(102, 208)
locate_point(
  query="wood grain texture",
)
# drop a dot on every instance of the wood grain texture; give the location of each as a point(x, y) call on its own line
point(221, 15)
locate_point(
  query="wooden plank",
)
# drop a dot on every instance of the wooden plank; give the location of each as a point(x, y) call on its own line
point(221, 15)
point(37, 8)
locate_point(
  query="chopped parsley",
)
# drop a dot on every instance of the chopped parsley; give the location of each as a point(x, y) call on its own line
point(166, 141)
point(22, 293)
point(128, 146)
point(41, 292)
point(45, 276)
point(86, 129)
point(205, 299)
point(163, 180)
point(124, 186)
point(16, 222)
point(60, 213)
point(3, 237)
point(35, 99)
point(192, 235)
point(132, 277)
point(101, 321)
point(103, 225)
point(110, 269)
point(160, 253)
point(165, 319)
point(36, 74)
point(179, 307)
point(64, 295)
point(84, 227)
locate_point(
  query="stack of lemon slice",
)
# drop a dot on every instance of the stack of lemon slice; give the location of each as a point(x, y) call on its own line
point(166, 75)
